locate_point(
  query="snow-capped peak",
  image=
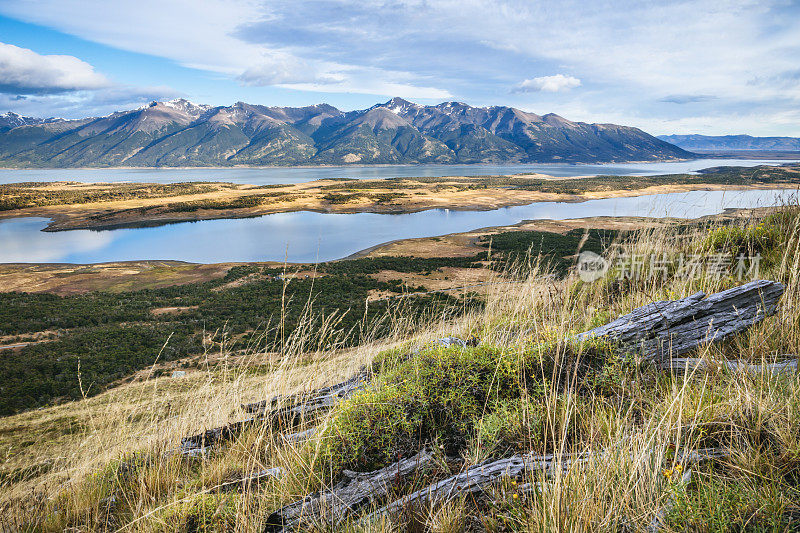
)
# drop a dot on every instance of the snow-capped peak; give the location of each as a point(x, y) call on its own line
point(186, 106)
point(10, 119)
point(398, 105)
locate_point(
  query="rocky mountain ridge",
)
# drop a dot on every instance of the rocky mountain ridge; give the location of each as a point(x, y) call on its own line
point(181, 133)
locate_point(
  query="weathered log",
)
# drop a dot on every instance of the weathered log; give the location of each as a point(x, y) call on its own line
point(254, 478)
point(663, 330)
point(325, 396)
point(735, 365)
point(289, 410)
point(332, 506)
point(300, 436)
point(285, 411)
point(481, 477)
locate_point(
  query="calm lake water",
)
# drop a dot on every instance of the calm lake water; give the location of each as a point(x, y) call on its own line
point(274, 175)
point(308, 237)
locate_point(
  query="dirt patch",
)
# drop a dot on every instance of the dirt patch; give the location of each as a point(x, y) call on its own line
point(66, 279)
point(158, 311)
point(445, 278)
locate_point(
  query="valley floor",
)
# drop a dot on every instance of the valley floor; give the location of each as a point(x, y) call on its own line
point(106, 461)
point(93, 416)
point(104, 206)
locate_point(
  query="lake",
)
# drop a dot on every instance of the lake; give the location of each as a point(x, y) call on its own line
point(309, 237)
point(274, 175)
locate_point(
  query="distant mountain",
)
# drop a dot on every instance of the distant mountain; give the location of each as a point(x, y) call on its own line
point(180, 133)
point(710, 143)
point(13, 120)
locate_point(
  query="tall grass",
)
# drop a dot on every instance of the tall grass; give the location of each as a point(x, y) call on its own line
point(106, 462)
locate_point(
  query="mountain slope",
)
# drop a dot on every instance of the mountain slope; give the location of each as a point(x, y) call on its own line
point(180, 133)
point(732, 142)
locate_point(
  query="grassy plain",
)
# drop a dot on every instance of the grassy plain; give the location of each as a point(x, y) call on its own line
point(99, 463)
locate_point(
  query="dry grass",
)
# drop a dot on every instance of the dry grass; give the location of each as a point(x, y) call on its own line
point(637, 420)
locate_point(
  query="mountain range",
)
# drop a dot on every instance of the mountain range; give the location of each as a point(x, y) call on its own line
point(181, 133)
point(710, 143)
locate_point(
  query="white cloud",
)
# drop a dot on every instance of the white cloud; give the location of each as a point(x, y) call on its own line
point(81, 104)
point(24, 71)
point(636, 59)
point(203, 35)
point(550, 84)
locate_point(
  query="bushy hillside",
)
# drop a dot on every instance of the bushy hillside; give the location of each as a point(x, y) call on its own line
point(626, 430)
point(179, 133)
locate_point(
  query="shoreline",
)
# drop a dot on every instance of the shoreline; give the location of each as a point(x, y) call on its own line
point(117, 276)
point(362, 165)
point(337, 197)
point(542, 224)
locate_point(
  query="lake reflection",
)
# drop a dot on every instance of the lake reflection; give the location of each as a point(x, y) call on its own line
point(308, 237)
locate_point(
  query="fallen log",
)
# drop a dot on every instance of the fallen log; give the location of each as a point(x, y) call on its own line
point(289, 410)
point(284, 411)
point(300, 436)
point(736, 365)
point(481, 477)
point(662, 330)
point(334, 505)
point(324, 397)
point(254, 478)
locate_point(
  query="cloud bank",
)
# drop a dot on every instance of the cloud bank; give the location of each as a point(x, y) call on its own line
point(24, 71)
point(550, 84)
point(628, 61)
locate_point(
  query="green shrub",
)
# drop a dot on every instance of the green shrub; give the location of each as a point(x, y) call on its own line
point(437, 395)
point(203, 513)
point(515, 425)
point(764, 239)
point(441, 395)
point(732, 505)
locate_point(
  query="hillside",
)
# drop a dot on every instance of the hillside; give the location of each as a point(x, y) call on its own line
point(722, 143)
point(613, 440)
point(180, 133)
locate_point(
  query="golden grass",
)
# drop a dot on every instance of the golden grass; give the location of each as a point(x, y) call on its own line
point(638, 431)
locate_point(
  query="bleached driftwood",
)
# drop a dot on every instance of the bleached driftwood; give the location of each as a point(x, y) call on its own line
point(481, 477)
point(660, 331)
point(254, 478)
point(288, 410)
point(735, 365)
point(284, 411)
point(354, 491)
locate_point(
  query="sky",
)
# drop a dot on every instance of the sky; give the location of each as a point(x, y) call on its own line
point(704, 66)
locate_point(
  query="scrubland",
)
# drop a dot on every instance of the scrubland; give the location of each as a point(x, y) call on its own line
point(108, 462)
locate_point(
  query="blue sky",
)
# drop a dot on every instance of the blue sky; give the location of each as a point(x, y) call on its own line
point(713, 67)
